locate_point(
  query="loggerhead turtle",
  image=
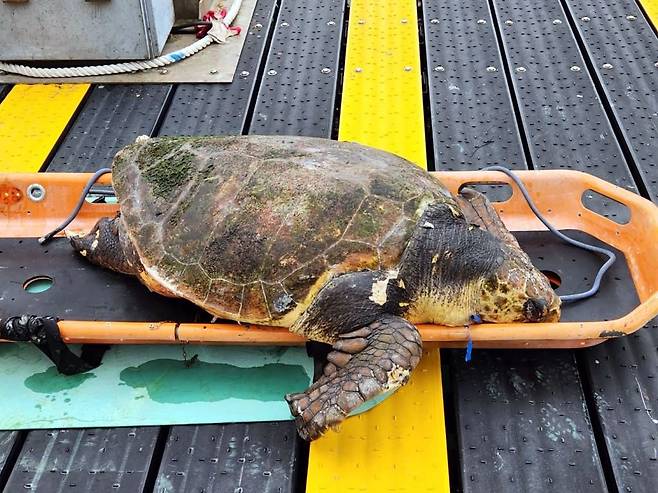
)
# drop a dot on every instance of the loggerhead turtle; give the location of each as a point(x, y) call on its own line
point(342, 243)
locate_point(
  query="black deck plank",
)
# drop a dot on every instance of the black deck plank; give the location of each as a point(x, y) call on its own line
point(8, 445)
point(473, 121)
point(624, 384)
point(258, 457)
point(622, 373)
point(240, 456)
point(523, 423)
point(222, 109)
point(111, 117)
point(503, 443)
point(297, 95)
point(622, 48)
point(563, 118)
point(115, 459)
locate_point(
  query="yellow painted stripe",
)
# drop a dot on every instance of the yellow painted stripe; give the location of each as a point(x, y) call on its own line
point(32, 119)
point(400, 445)
point(651, 8)
point(382, 102)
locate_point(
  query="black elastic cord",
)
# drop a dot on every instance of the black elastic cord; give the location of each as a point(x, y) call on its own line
point(585, 246)
point(47, 237)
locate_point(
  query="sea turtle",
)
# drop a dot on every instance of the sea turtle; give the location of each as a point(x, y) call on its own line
point(343, 243)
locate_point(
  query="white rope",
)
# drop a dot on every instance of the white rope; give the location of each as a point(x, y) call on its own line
point(218, 33)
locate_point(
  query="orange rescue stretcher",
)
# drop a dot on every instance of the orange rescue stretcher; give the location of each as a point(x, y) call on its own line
point(557, 193)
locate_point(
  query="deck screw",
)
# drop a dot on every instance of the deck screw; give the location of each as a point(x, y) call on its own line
point(326, 70)
point(271, 72)
point(655, 64)
point(481, 21)
point(213, 71)
point(509, 22)
point(575, 68)
point(606, 66)
point(557, 22)
point(358, 69)
point(244, 73)
point(403, 21)
point(258, 25)
point(631, 17)
point(362, 21)
point(585, 19)
point(331, 23)
point(434, 21)
point(492, 69)
point(439, 68)
point(520, 69)
point(285, 24)
point(407, 68)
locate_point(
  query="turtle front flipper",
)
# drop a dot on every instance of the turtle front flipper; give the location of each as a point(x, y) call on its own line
point(364, 364)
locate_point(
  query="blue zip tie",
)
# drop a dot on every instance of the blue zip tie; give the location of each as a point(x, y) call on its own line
point(469, 349)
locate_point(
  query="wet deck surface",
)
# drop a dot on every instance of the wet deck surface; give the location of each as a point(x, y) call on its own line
point(541, 85)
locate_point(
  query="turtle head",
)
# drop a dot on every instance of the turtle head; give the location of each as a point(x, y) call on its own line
point(516, 291)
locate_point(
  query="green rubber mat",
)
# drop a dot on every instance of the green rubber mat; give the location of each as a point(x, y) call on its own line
point(152, 385)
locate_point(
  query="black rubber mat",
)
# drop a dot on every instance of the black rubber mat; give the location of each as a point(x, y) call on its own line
point(112, 116)
point(80, 290)
point(101, 460)
point(575, 269)
point(523, 424)
point(297, 95)
point(623, 51)
point(256, 457)
point(473, 122)
point(222, 109)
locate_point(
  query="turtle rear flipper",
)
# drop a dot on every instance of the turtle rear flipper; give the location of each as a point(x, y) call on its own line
point(364, 364)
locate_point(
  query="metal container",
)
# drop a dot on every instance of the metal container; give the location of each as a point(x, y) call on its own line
point(84, 29)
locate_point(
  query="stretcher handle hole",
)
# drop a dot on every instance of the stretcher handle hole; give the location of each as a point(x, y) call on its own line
point(493, 190)
point(605, 206)
point(38, 284)
point(553, 277)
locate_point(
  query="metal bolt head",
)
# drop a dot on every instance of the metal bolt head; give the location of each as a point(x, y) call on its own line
point(213, 71)
point(358, 69)
point(520, 69)
point(163, 71)
point(258, 25)
point(326, 70)
point(36, 192)
point(481, 21)
point(557, 22)
point(285, 24)
point(434, 21)
point(331, 23)
point(244, 73)
point(655, 64)
point(362, 21)
point(492, 69)
point(271, 72)
point(606, 66)
point(407, 68)
point(585, 19)
point(509, 22)
point(575, 68)
point(439, 68)
point(403, 21)
point(630, 18)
